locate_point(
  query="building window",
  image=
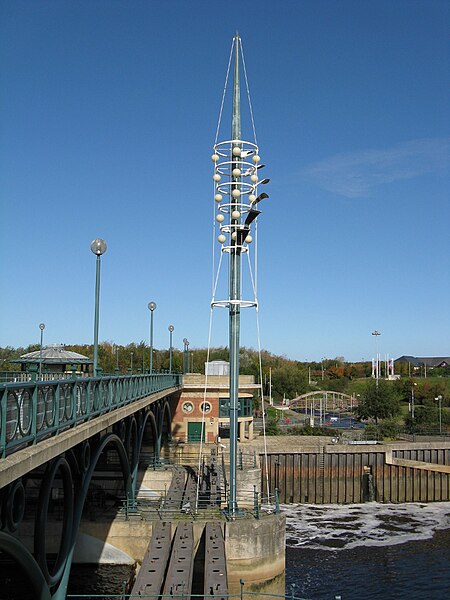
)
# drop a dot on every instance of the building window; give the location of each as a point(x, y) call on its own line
point(245, 407)
point(205, 407)
point(187, 407)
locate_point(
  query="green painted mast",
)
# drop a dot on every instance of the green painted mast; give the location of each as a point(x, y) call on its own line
point(234, 288)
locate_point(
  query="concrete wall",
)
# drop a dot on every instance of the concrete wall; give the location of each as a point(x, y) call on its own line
point(255, 549)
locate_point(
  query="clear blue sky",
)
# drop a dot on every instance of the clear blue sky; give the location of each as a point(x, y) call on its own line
point(108, 115)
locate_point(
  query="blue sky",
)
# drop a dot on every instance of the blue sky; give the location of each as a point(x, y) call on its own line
point(108, 115)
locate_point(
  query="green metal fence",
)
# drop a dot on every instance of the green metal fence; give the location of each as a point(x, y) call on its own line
point(30, 411)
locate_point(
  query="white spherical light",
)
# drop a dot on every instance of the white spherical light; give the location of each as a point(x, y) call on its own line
point(236, 172)
point(236, 151)
point(248, 239)
point(215, 157)
point(252, 197)
point(216, 177)
point(256, 159)
point(254, 178)
point(221, 238)
point(218, 197)
point(235, 193)
point(235, 214)
point(233, 235)
point(220, 218)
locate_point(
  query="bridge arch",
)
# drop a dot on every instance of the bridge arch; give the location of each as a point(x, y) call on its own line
point(336, 399)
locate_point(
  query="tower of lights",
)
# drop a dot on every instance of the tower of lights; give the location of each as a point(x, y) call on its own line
point(236, 181)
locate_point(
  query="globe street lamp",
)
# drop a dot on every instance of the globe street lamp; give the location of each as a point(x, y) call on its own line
point(151, 308)
point(41, 327)
point(439, 399)
point(131, 363)
point(171, 328)
point(98, 247)
point(186, 355)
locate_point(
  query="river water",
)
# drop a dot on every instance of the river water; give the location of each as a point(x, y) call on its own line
point(359, 552)
point(368, 551)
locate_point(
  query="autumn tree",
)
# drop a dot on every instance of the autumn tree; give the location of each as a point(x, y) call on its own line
point(378, 401)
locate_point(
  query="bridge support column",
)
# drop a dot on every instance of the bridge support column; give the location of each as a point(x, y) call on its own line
point(242, 431)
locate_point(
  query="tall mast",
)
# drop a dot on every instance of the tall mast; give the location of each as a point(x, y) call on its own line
point(234, 288)
point(236, 164)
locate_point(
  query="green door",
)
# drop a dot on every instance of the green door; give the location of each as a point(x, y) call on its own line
point(195, 432)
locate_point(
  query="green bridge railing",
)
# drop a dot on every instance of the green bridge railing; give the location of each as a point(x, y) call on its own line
point(33, 410)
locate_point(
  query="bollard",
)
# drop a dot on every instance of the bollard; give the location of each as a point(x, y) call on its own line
point(255, 502)
point(277, 504)
point(240, 460)
point(242, 583)
point(254, 459)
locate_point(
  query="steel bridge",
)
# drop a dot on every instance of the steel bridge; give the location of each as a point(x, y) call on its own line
point(331, 400)
point(54, 435)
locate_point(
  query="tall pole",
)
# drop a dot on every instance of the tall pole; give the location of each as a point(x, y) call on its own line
point(185, 355)
point(171, 328)
point(41, 327)
point(234, 285)
point(98, 247)
point(151, 307)
point(377, 359)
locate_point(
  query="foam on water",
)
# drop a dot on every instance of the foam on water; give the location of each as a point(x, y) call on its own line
point(334, 527)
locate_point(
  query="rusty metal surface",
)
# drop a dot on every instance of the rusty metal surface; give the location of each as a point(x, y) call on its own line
point(179, 573)
point(174, 497)
point(150, 578)
point(216, 582)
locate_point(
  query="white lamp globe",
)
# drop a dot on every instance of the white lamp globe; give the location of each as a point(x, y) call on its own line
point(256, 159)
point(236, 193)
point(221, 238)
point(235, 214)
point(215, 157)
point(248, 239)
point(233, 235)
point(236, 151)
point(236, 172)
point(216, 177)
point(220, 218)
point(252, 197)
point(254, 178)
point(218, 197)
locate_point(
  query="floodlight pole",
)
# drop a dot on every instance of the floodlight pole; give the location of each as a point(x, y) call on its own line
point(234, 290)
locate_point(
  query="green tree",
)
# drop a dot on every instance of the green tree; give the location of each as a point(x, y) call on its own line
point(378, 401)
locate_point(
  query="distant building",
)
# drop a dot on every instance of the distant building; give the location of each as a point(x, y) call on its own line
point(428, 362)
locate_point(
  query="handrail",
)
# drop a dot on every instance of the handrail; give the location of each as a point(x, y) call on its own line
point(32, 410)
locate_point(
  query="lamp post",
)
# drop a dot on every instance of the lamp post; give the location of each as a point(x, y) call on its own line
point(185, 355)
point(439, 399)
point(412, 401)
point(98, 247)
point(117, 359)
point(377, 374)
point(131, 362)
point(171, 328)
point(151, 308)
point(41, 327)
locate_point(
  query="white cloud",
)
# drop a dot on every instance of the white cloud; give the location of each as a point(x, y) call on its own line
point(354, 174)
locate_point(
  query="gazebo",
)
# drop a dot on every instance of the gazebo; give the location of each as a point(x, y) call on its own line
point(55, 359)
